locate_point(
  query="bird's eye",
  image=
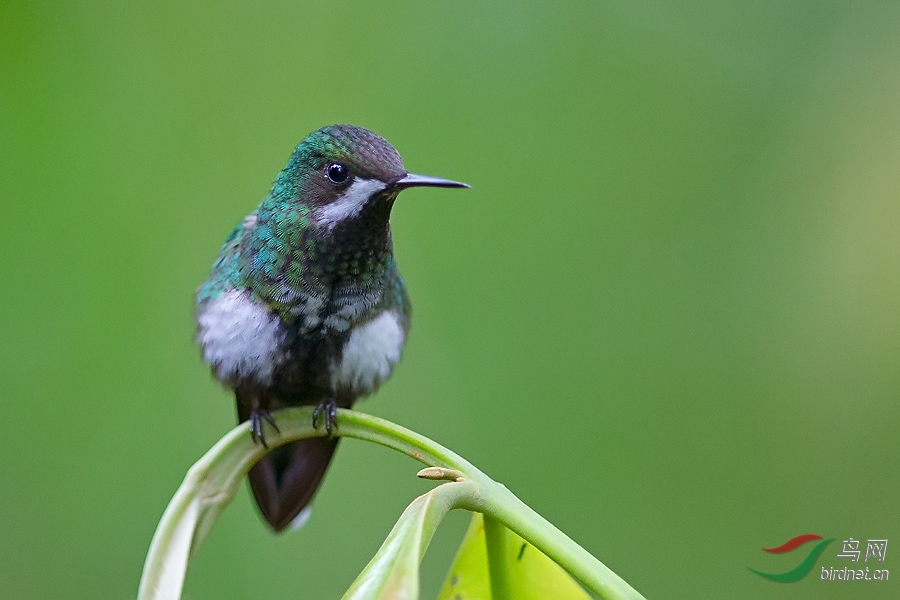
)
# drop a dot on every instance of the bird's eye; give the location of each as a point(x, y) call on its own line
point(336, 173)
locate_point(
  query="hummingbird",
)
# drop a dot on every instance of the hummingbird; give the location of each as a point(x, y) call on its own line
point(305, 306)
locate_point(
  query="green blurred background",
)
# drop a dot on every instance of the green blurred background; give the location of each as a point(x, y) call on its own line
point(666, 314)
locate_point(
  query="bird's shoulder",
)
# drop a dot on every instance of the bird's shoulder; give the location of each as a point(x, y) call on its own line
point(228, 272)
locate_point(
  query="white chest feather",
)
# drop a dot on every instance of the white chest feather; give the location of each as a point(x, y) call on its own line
point(240, 339)
point(370, 354)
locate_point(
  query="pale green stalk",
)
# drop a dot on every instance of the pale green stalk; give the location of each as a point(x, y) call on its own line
point(495, 541)
point(214, 480)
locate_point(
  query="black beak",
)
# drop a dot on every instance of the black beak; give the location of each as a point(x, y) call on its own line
point(412, 180)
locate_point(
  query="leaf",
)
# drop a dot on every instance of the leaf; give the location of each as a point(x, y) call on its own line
point(393, 573)
point(528, 573)
point(468, 576)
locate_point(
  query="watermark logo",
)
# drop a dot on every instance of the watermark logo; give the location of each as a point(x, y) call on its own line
point(805, 566)
point(850, 549)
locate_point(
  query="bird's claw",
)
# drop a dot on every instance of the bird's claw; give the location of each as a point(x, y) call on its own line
point(328, 408)
point(256, 425)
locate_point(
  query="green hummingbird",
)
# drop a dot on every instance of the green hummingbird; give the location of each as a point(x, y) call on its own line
point(305, 306)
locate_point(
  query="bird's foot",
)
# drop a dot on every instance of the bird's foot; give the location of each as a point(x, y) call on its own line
point(328, 408)
point(256, 425)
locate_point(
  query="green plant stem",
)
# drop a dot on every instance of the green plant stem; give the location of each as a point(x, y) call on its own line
point(496, 501)
point(502, 505)
point(495, 540)
point(213, 481)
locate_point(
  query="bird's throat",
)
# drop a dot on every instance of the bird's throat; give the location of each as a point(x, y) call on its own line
point(303, 269)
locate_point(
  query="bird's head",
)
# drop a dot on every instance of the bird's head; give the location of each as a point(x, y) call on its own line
point(344, 172)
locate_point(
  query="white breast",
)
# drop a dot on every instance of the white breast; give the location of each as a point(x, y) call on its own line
point(369, 355)
point(240, 339)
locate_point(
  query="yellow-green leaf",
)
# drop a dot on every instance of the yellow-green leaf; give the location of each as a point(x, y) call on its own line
point(528, 573)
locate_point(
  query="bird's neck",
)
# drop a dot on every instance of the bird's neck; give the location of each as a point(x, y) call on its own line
point(299, 267)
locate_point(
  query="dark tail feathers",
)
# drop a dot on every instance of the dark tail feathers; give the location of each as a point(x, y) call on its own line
point(285, 479)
